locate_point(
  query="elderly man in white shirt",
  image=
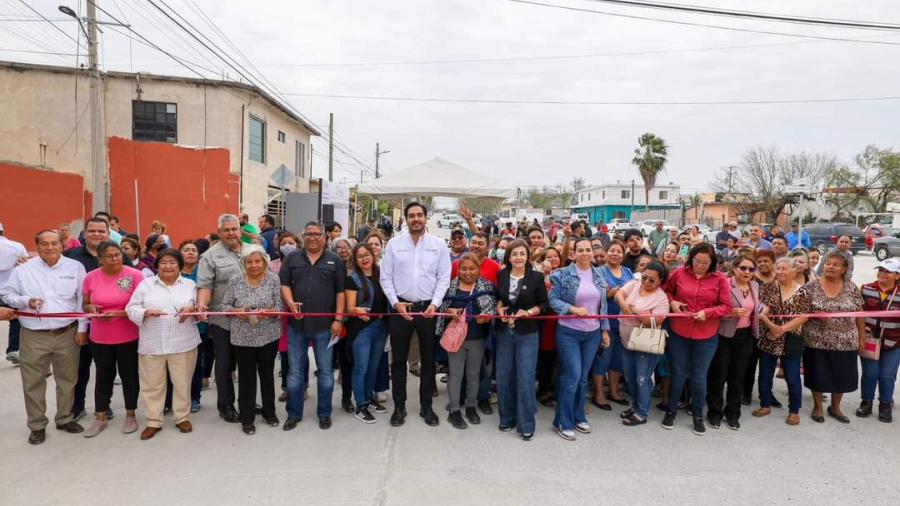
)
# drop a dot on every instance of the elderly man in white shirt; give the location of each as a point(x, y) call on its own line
point(415, 275)
point(12, 253)
point(48, 284)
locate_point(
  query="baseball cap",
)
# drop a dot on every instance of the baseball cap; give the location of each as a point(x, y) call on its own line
point(890, 265)
point(457, 231)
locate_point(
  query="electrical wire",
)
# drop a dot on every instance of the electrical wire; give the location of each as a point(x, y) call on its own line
point(698, 9)
point(703, 25)
point(53, 24)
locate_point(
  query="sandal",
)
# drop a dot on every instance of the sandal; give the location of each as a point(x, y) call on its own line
point(761, 412)
point(604, 407)
point(621, 402)
point(633, 420)
point(793, 419)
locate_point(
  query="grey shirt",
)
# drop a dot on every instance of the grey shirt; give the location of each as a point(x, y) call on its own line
point(241, 295)
point(217, 266)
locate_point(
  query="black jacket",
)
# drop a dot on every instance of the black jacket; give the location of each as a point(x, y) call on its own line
point(532, 293)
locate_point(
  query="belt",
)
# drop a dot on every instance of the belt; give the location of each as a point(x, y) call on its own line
point(422, 304)
point(61, 330)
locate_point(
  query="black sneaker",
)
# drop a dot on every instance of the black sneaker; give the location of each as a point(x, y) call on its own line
point(364, 416)
point(272, 421)
point(699, 427)
point(668, 422)
point(715, 423)
point(776, 403)
point(456, 420)
point(527, 436)
point(734, 424)
point(627, 413)
point(290, 423)
point(428, 415)
point(485, 407)
point(472, 416)
point(884, 412)
point(325, 423)
point(399, 416)
point(248, 428)
point(376, 407)
point(347, 404)
point(865, 409)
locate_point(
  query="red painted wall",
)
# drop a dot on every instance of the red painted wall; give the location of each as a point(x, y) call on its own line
point(32, 199)
point(185, 188)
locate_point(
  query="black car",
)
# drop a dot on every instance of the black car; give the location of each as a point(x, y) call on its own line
point(824, 236)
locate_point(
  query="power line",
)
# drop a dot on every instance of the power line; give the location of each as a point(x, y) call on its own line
point(54, 25)
point(704, 25)
point(36, 52)
point(697, 9)
point(597, 102)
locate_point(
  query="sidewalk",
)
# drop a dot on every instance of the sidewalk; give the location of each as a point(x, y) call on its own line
point(767, 462)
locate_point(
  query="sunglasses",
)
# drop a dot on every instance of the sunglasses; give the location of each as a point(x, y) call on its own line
point(744, 268)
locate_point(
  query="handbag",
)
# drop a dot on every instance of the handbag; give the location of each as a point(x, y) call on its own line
point(455, 334)
point(650, 339)
point(872, 347)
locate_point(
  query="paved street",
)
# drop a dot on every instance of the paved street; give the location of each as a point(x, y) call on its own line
point(767, 462)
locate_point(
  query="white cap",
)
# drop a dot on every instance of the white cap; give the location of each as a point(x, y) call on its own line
point(890, 265)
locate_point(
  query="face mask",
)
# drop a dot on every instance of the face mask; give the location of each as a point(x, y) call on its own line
point(501, 254)
point(287, 249)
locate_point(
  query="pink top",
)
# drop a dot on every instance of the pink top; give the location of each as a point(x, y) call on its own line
point(655, 303)
point(112, 293)
point(746, 303)
point(587, 297)
point(71, 243)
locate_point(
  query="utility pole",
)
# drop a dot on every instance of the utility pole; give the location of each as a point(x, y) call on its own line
point(330, 147)
point(100, 183)
point(378, 154)
point(631, 211)
point(730, 175)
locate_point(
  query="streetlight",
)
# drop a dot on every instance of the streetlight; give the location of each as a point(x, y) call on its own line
point(65, 9)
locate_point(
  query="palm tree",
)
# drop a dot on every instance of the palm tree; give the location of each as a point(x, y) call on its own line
point(650, 159)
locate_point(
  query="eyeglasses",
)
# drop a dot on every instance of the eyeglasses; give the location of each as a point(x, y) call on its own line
point(312, 235)
point(744, 268)
point(597, 247)
point(645, 279)
point(112, 256)
point(364, 257)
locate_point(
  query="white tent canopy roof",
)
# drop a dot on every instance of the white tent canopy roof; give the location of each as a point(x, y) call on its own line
point(437, 178)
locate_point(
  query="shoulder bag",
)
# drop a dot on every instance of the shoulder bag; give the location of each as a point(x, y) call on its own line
point(648, 339)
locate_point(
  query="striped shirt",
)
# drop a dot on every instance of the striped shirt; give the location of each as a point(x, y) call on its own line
point(163, 335)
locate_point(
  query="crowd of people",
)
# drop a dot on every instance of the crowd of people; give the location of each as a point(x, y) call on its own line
point(512, 316)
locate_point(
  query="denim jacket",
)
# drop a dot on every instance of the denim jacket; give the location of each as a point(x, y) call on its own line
point(565, 283)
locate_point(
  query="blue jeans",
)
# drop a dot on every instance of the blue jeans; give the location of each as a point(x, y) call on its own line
point(638, 368)
point(367, 349)
point(791, 366)
point(575, 351)
point(299, 363)
point(883, 373)
point(609, 359)
point(690, 358)
point(516, 362)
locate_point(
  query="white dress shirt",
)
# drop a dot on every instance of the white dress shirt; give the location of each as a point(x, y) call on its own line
point(415, 271)
point(58, 286)
point(10, 252)
point(164, 335)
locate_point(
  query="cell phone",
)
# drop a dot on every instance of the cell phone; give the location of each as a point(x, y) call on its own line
point(683, 252)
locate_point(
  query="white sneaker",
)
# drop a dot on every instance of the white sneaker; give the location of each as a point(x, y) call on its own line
point(13, 357)
point(568, 435)
point(583, 428)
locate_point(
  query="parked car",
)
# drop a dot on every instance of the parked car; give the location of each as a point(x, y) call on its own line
point(579, 217)
point(876, 230)
point(619, 225)
point(887, 246)
point(824, 235)
point(448, 219)
point(648, 226)
point(708, 234)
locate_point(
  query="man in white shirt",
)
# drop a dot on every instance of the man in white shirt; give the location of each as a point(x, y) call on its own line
point(48, 284)
point(415, 275)
point(12, 253)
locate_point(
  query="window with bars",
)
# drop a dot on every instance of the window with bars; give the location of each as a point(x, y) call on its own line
point(154, 121)
point(257, 140)
point(300, 160)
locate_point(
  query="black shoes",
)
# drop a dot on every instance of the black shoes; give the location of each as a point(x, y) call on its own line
point(527, 436)
point(715, 422)
point(472, 416)
point(431, 419)
point(248, 428)
point(734, 424)
point(71, 428)
point(325, 423)
point(290, 423)
point(399, 416)
point(668, 422)
point(699, 428)
point(865, 409)
point(626, 414)
point(456, 420)
point(776, 403)
point(376, 407)
point(504, 428)
point(347, 404)
point(37, 437)
point(485, 407)
point(230, 415)
point(884, 412)
point(746, 400)
point(272, 421)
point(633, 420)
point(364, 416)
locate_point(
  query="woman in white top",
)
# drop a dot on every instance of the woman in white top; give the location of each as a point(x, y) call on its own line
point(641, 296)
point(168, 342)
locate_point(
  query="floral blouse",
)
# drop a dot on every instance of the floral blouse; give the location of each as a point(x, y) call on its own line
point(770, 296)
point(241, 295)
point(836, 334)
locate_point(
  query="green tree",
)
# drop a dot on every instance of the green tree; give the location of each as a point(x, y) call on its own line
point(650, 159)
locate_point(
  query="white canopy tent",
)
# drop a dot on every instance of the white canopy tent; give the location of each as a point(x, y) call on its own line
point(437, 178)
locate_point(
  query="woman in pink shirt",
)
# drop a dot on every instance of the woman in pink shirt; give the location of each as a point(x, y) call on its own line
point(641, 296)
point(113, 338)
point(704, 295)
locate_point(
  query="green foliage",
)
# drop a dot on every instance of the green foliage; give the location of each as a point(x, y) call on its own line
point(650, 159)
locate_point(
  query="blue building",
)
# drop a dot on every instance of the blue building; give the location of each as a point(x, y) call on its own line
point(603, 203)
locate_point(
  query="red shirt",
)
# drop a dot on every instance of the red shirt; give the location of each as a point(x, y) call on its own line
point(710, 293)
point(487, 270)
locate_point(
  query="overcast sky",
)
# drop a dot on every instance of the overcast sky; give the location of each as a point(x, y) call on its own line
point(536, 144)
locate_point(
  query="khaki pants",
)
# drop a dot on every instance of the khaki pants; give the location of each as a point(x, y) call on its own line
point(180, 367)
point(39, 350)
